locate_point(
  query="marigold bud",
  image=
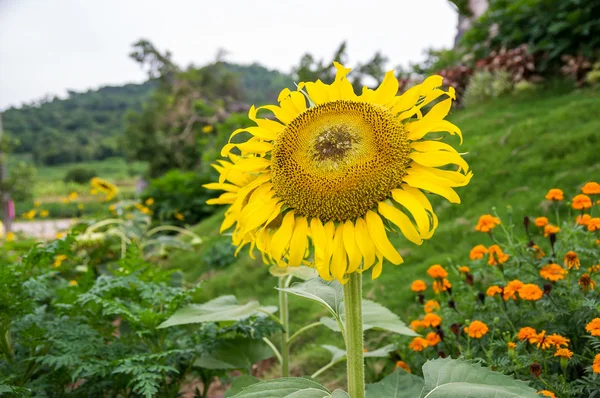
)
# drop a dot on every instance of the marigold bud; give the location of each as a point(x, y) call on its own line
point(481, 297)
point(451, 304)
point(526, 223)
point(455, 328)
point(547, 288)
point(469, 279)
point(535, 369)
point(442, 354)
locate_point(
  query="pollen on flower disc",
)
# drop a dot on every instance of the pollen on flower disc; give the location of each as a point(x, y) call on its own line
point(337, 160)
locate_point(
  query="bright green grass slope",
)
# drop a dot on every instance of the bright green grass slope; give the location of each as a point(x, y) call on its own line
point(518, 148)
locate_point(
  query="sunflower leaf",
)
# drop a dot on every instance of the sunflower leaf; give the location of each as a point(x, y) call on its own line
point(399, 384)
point(328, 294)
point(238, 353)
point(287, 387)
point(457, 378)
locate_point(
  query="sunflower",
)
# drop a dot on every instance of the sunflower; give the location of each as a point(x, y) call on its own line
point(335, 175)
point(109, 190)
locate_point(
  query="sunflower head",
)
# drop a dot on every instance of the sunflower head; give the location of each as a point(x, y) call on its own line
point(325, 178)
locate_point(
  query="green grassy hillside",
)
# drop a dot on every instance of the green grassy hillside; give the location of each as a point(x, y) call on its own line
point(517, 147)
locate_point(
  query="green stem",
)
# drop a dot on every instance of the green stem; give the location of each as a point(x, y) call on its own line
point(275, 350)
point(285, 322)
point(302, 330)
point(354, 335)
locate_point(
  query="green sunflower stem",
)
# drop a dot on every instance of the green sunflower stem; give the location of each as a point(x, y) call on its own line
point(285, 323)
point(354, 335)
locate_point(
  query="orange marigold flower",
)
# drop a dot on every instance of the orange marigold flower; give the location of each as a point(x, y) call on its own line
point(418, 344)
point(441, 286)
point(497, 256)
point(555, 194)
point(538, 252)
point(493, 290)
point(594, 268)
point(596, 364)
point(553, 272)
point(581, 202)
point(432, 320)
point(476, 329)
point(546, 393)
point(583, 219)
point(563, 353)
point(431, 305)
point(594, 224)
point(530, 292)
point(487, 222)
point(541, 221)
point(593, 327)
point(511, 289)
point(464, 269)
point(526, 333)
point(511, 345)
point(417, 324)
point(539, 339)
point(418, 286)
point(403, 365)
point(433, 338)
point(478, 252)
point(437, 271)
point(586, 282)
point(557, 340)
point(572, 260)
point(551, 229)
point(591, 188)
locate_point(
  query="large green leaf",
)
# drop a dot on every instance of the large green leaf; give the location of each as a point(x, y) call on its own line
point(302, 272)
point(239, 383)
point(446, 378)
point(399, 384)
point(375, 316)
point(338, 354)
point(239, 353)
point(221, 309)
point(288, 387)
point(340, 394)
point(328, 294)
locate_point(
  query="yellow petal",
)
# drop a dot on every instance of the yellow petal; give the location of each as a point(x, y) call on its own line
point(354, 255)
point(258, 147)
point(442, 190)
point(298, 242)
point(420, 196)
point(317, 91)
point(256, 131)
point(295, 103)
point(419, 129)
point(412, 204)
point(338, 259)
point(439, 110)
point(225, 199)
point(401, 220)
point(223, 187)
point(283, 115)
point(444, 177)
point(387, 90)
point(364, 243)
point(380, 239)
point(378, 267)
point(439, 158)
point(252, 164)
point(282, 236)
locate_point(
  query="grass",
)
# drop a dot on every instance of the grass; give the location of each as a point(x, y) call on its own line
point(518, 148)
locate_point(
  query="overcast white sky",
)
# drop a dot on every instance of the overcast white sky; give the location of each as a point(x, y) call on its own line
point(49, 46)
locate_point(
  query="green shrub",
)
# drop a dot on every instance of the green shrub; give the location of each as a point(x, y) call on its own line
point(552, 27)
point(79, 175)
point(485, 85)
point(179, 197)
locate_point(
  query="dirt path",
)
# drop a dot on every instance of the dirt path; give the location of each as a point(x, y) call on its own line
point(45, 229)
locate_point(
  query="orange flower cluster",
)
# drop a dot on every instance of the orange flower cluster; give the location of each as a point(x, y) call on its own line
point(547, 393)
point(493, 290)
point(486, 223)
point(551, 229)
point(526, 333)
point(563, 353)
point(478, 252)
point(432, 320)
point(591, 188)
point(572, 260)
point(594, 224)
point(437, 271)
point(541, 221)
point(511, 289)
point(433, 339)
point(476, 329)
point(551, 341)
point(497, 256)
point(581, 202)
point(418, 344)
point(596, 364)
point(418, 286)
point(583, 219)
point(586, 282)
point(530, 292)
point(431, 306)
point(553, 272)
point(555, 194)
point(441, 286)
point(403, 365)
point(464, 269)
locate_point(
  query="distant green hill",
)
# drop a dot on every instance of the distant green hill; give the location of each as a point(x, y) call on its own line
point(87, 125)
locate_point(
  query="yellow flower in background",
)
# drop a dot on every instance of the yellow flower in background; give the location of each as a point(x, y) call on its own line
point(583, 219)
point(44, 213)
point(591, 188)
point(593, 327)
point(30, 215)
point(58, 260)
point(207, 129)
point(10, 236)
point(64, 200)
point(37, 203)
point(179, 216)
point(336, 172)
point(530, 292)
point(571, 260)
point(73, 282)
point(81, 206)
point(553, 272)
point(476, 329)
point(418, 286)
point(149, 202)
point(555, 194)
point(511, 345)
point(112, 208)
point(109, 190)
point(486, 223)
point(73, 196)
point(403, 365)
point(60, 235)
point(93, 191)
point(581, 202)
point(551, 229)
